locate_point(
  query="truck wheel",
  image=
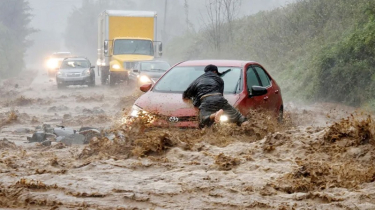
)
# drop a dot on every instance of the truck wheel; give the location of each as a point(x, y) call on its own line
point(127, 80)
point(104, 78)
point(104, 72)
point(112, 80)
point(280, 117)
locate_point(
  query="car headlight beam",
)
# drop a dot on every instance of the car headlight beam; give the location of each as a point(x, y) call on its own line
point(144, 79)
point(135, 111)
point(224, 118)
point(116, 66)
point(52, 63)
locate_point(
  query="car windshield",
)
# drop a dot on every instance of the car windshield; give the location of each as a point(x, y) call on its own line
point(133, 46)
point(180, 77)
point(154, 66)
point(71, 64)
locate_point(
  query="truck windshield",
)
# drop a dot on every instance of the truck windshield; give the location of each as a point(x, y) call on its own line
point(133, 46)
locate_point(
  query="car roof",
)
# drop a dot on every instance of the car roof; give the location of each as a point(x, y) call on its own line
point(153, 61)
point(132, 38)
point(235, 63)
point(76, 58)
point(59, 53)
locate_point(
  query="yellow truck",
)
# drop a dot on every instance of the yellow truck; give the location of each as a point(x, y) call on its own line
point(125, 37)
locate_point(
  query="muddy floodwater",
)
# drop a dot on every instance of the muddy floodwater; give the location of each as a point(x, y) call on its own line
point(322, 157)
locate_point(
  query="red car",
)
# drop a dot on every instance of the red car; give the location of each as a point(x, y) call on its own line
point(246, 86)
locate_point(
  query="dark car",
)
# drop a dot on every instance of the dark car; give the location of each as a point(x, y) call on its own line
point(247, 86)
point(75, 71)
point(148, 72)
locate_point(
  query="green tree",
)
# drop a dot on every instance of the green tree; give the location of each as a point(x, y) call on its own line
point(15, 17)
point(4, 64)
point(316, 49)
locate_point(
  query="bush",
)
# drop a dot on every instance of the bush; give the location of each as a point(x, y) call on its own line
point(14, 28)
point(316, 49)
point(346, 71)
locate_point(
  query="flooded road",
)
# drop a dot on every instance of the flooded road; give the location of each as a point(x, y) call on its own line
point(321, 158)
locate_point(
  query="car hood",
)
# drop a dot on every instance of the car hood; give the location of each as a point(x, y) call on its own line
point(75, 70)
point(124, 58)
point(152, 74)
point(171, 104)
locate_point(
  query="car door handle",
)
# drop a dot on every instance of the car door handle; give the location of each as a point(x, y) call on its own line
point(277, 91)
point(265, 98)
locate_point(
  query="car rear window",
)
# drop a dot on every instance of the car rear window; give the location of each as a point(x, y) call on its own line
point(179, 78)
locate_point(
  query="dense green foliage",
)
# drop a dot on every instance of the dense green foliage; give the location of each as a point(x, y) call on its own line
point(14, 28)
point(316, 49)
point(346, 71)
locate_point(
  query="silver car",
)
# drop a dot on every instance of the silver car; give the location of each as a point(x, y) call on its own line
point(148, 72)
point(75, 71)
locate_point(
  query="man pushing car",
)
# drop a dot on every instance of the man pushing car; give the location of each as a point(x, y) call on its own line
point(206, 93)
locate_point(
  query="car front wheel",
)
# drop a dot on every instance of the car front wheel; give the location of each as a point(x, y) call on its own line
point(280, 117)
point(92, 82)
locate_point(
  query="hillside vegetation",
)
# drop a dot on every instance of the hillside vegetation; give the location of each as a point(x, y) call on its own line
point(316, 49)
point(15, 18)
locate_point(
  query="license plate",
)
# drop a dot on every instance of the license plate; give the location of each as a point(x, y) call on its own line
point(73, 74)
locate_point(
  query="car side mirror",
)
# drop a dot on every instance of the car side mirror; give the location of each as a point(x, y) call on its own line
point(135, 70)
point(145, 88)
point(105, 47)
point(258, 91)
point(160, 47)
point(92, 67)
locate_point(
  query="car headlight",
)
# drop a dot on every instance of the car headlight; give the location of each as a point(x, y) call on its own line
point(86, 72)
point(136, 110)
point(60, 74)
point(224, 118)
point(138, 114)
point(116, 66)
point(144, 79)
point(52, 63)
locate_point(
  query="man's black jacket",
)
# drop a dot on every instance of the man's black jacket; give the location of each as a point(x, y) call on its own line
point(207, 83)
